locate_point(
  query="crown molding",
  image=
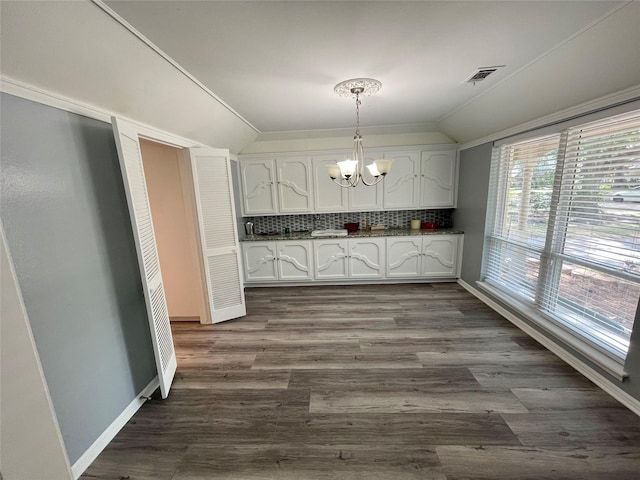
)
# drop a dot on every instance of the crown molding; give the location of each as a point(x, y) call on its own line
point(341, 132)
point(24, 90)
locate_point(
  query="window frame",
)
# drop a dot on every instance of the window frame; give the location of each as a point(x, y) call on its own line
point(585, 339)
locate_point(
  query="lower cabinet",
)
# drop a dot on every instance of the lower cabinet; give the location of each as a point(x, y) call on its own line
point(404, 255)
point(336, 259)
point(366, 258)
point(281, 260)
point(428, 256)
point(349, 258)
point(331, 259)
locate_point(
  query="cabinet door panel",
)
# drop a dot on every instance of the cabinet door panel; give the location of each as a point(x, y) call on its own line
point(366, 258)
point(437, 179)
point(439, 255)
point(401, 184)
point(259, 261)
point(331, 259)
point(328, 197)
point(295, 260)
point(258, 187)
point(404, 257)
point(294, 185)
point(365, 199)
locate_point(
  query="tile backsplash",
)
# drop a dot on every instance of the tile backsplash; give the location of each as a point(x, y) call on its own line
point(398, 218)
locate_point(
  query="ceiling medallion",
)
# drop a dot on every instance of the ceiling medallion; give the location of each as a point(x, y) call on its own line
point(363, 86)
point(350, 171)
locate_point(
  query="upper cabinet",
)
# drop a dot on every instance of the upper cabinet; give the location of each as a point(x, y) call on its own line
point(401, 184)
point(294, 185)
point(424, 179)
point(276, 185)
point(438, 174)
point(363, 198)
point(329, 197)
point(258, 186)
point(420, 177)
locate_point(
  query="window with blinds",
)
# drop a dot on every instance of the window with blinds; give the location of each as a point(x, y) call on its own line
point(564, 229)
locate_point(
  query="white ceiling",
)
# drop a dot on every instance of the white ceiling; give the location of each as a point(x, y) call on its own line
point(276, 63)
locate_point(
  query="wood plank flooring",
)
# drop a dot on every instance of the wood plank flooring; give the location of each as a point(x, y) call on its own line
point(371, 382)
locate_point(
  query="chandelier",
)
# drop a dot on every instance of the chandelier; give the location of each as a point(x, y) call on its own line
point(350, 171)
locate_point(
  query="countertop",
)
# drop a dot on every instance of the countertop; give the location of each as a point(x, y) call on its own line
point(393, 232)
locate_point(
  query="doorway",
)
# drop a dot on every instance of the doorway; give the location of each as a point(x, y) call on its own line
point(169, 181)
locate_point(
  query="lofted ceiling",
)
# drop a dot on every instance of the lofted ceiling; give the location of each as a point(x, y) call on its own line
point(225, 72)
point(276, 62)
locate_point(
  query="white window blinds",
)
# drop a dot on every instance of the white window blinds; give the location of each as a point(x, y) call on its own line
point(521, 191)
point(565, 228)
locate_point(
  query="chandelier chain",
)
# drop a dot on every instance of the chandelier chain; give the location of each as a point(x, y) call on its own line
point(358, 102)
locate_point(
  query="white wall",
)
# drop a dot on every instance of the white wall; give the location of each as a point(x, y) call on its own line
point(298, 142)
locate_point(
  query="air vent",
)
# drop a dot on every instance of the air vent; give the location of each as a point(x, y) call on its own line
point(482, 73)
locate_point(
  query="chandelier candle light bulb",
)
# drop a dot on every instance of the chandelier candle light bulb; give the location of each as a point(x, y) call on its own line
point(334, 171)
point(348, 173)
point(347, 168)
point(373, 169)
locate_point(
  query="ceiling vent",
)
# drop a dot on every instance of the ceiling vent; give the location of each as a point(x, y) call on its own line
point(481, 73)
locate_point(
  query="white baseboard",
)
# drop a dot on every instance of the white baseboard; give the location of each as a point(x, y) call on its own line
point(601, 381)
point(112, 430)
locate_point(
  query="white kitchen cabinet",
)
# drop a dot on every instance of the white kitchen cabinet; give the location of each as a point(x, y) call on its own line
point(295, 260)
point(438, 172)
point(258, 177)
point(259, 260)
point(363, 198)
point(328, 197)
point(363, 258)
point(401, 185)
point(424, 179)
point(331, 259)
point(440, 255)
point(420, 177)
point(430, 256)
point(278, 260)
point(294, 185)
point(356, 258)
point(404, 256)
point(366, 258)
point(276, 185)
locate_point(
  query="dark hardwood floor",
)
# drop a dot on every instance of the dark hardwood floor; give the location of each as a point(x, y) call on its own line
point(372, 382)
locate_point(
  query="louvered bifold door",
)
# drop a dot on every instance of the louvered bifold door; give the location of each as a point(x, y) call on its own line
point(218, 234)
point(136, 190)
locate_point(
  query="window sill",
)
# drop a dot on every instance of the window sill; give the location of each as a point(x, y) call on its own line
point(613, 366)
